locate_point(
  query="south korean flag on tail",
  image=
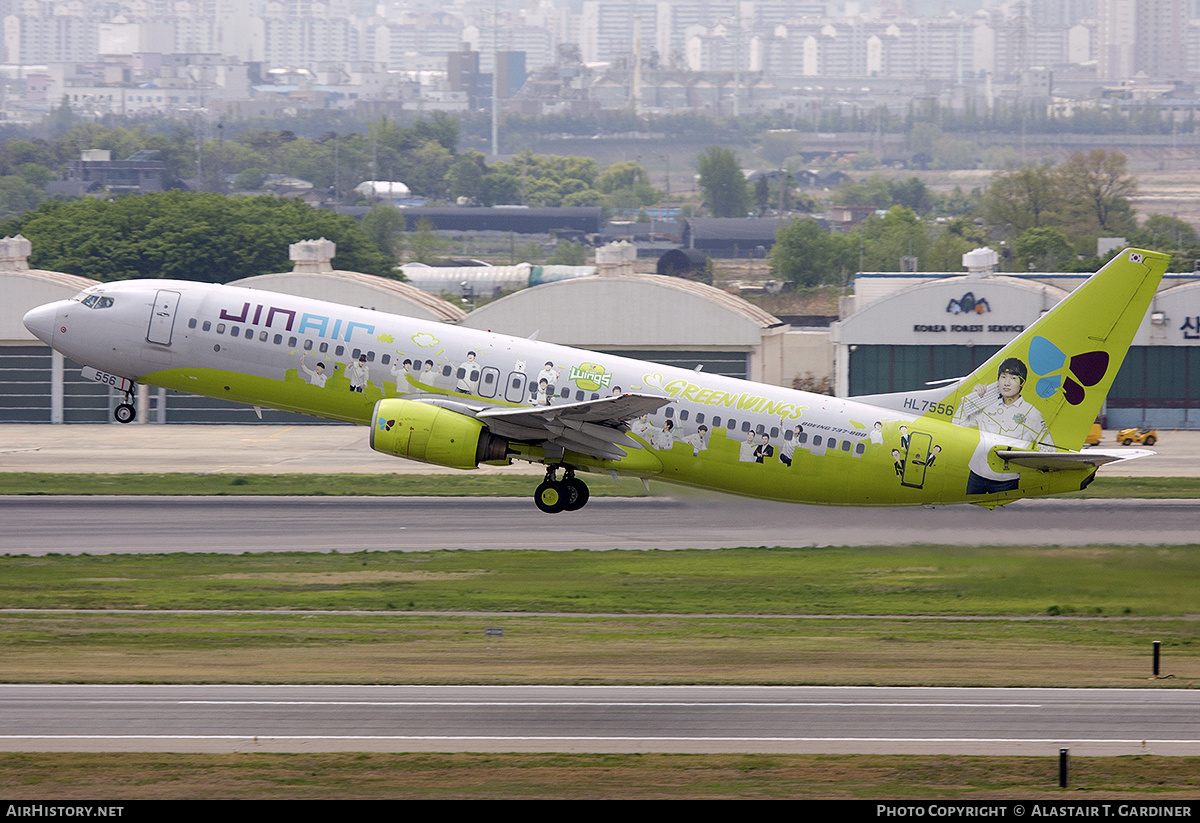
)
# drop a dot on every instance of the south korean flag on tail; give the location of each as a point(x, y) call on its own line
point(1135, 257)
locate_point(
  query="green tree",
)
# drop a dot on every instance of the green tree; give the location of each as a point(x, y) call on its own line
point(725, 191)
point(568, 253)
point(424, 244)
point(899, 233)
point(384, 224)
point(1098, 186)
point(187, 236)
point(806, 255)
point(1024, 198)
point(1044, 249)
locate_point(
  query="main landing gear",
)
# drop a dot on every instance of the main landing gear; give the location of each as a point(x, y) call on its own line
point(568, 494)
point(126, 412)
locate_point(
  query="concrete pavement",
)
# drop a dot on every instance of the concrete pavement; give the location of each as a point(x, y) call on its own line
point(332, 449)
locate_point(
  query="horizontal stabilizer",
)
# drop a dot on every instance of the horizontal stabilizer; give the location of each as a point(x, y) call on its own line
point(1061, 461)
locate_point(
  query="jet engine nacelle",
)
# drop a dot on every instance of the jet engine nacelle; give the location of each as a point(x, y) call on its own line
point(419, 431)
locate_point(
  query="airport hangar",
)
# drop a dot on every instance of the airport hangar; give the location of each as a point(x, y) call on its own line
point(898, 331)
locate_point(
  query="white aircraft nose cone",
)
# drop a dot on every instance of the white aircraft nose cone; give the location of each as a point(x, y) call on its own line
point(40, 321)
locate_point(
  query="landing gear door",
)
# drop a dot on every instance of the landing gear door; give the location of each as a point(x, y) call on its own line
point(162, 318)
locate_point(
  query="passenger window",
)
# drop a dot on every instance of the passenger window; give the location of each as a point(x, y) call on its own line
point(356, 353)
point(774, 432)
point(787, 435)
point(699, 418)
point(817, 440)
point(262, 336)
point(192, 323)
point(339, 351)
point(447, 371)
point(716, 421)
point(803, 437)
point(235, 331)
point(249, 334)
point(323, 348)
point(579, 396)
point(461, 373)
point(292, 342)
point(370, 357)
point(516, 383)
point(474, 375)
point(279, 340)
point(746, 426)
point(858, 449)
point(683, 415)
point(566, 393)
point(308, 345)
point(387, 358)
point(207, 326)
point(489, 378)
point(220, 328)
point(597, 397)
point(731, 425)
point(670, 412)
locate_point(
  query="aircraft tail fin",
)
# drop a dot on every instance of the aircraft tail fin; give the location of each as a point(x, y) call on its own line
point(1067, 361)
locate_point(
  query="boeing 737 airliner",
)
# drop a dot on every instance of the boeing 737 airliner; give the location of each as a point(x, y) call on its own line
point(460, 397)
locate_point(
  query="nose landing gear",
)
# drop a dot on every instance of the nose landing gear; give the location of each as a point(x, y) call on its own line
point(553, 495)
point(126, 412)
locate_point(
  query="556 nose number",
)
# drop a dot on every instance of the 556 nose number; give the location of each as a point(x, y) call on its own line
point(106, 378)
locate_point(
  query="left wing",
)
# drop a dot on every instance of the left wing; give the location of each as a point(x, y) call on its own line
point(1058, 461)
point(593, 427)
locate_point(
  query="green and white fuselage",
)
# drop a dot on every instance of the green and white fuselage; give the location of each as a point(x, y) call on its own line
point(457, 396)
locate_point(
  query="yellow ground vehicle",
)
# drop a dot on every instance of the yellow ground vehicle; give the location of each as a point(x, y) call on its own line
point(1128, 437)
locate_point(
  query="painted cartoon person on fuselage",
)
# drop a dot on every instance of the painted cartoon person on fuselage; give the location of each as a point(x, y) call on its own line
point(316, 376)
point(403, 371)
point(468, 376)
point(357, 374)
point(787, 449)
point(747, 449)
point(998, 408)
point(764, 450)
point(665, 439)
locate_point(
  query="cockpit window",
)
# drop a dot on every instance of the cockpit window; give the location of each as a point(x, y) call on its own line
point(96, 301)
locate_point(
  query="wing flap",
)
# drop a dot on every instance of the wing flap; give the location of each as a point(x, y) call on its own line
point(1061, 461)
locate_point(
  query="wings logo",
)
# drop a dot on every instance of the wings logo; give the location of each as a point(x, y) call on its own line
point(1085, 369)
point(386, 425)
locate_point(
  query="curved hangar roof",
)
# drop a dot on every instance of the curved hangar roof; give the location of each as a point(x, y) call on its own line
point(23, 289)
point(955, 310)
point(352, 288)
point(629, 311)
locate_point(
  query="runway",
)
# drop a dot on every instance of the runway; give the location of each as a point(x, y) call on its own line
point(107, 525)
point(1099, 722)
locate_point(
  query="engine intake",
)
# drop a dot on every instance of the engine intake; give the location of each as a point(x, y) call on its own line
point(419, 431)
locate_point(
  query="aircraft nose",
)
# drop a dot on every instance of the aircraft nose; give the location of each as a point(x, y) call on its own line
point(40, 322)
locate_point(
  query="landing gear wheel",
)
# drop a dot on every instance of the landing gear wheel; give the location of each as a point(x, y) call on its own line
point(125, 413)
point(551, 497)
point(579, 493)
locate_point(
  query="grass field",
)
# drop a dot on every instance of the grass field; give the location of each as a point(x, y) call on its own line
point(578, 776)
point(909, 615)
point(893, 615)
